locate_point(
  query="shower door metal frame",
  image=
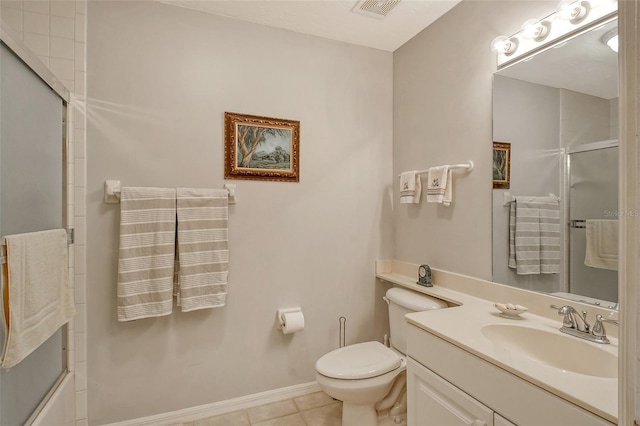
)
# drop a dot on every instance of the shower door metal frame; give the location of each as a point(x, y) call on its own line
point(33, 62)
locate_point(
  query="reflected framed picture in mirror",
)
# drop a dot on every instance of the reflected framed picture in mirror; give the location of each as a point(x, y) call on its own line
point(501, 165)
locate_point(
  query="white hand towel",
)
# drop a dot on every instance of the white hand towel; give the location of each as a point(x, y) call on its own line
point(602, 244)
point(410, 188)
point(147, 252)
point(440, 185)
point(40, 300)
point(203, 254)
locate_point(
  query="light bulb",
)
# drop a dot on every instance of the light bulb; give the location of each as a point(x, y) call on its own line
point(574, 11)
point(504, 45)
point(536, 30)
point(611, 39)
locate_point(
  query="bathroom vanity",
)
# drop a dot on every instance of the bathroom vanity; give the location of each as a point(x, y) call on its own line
point(468, 364)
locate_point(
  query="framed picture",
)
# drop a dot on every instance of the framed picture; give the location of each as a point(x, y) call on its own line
point(261, 148)
point(501, 165)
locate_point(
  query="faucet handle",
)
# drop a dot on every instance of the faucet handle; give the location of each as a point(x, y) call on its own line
point(598, 331)
point(568, 312)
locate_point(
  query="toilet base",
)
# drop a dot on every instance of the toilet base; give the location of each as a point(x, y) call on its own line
point(359, 415)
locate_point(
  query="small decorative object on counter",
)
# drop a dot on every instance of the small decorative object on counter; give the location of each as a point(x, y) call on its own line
point(509, 310)
point(424, 276)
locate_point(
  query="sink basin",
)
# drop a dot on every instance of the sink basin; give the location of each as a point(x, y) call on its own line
point(564, 352)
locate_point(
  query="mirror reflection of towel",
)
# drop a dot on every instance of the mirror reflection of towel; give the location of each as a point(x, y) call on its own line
point(602, 244)
point(534, 235)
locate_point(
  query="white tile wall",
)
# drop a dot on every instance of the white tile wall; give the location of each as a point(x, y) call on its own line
point(55, 30)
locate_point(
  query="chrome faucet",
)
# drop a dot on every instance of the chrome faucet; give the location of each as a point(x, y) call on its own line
point(577, 325)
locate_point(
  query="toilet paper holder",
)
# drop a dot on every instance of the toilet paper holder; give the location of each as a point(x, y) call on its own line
point(281, 315)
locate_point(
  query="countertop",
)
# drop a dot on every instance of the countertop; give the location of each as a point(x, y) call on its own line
point(461, 325)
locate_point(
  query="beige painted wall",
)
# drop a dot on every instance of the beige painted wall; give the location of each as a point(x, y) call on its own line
point(159, 81)
point(442, 115)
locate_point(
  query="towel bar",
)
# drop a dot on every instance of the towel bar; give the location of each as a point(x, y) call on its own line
point(113, 188)
point(508, 198)
point(3, 254)
point(467, 167)
point(577, 223)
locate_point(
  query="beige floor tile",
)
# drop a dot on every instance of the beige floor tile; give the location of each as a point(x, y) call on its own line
point(271, 411)
point(313, 400)
point(235, 418)
point(329, 415)
point(290, 420)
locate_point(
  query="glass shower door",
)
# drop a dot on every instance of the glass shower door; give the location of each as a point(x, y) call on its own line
point(31, 199)
point(593, 194)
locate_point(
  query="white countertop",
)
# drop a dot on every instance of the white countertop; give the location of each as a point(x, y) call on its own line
point(461, 325)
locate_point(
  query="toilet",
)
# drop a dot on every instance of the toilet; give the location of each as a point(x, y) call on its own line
point(362, 375)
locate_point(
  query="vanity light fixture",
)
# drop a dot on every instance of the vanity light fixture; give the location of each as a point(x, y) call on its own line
point(611, 39)
point(505, 45)
point(570, 18)
point(536, 30)
point(574, 11)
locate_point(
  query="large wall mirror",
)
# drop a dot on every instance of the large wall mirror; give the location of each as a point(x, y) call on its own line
point(558, 110)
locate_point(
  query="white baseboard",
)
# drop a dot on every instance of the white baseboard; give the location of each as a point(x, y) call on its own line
point(221, 407)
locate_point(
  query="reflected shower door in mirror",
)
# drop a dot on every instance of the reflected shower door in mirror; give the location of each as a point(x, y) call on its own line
point(559, 111)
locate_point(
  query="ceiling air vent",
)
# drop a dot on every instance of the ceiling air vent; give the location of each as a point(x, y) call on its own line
point(375, 8)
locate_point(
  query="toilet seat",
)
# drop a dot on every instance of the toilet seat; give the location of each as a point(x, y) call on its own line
point(359, 361)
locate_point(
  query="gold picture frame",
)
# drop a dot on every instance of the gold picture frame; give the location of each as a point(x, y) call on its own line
point(501, 165)
point(261, 148)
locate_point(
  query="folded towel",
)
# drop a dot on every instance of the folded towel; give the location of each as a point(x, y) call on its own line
point(40, 298)
point(410, 188)
point(602, 244)
point(147, 252)
point(440, 185)
point(534, 235)
point(203, 254)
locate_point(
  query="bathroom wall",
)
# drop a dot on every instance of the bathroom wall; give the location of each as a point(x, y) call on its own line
point(55, 31)
point(159, 81)
point(586, 118)
point(442, 115)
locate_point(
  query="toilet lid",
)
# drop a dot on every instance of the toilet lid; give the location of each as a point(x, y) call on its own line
point(359, 361)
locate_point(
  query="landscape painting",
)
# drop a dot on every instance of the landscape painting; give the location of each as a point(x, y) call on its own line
point(261, 148)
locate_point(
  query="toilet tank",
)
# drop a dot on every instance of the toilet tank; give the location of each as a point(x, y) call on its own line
point(402, 302)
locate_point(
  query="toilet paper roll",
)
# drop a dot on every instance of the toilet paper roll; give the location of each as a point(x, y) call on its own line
point(292, 321)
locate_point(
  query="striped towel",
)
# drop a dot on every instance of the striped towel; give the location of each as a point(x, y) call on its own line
point(147, 252)
point(203, 254)
point(534, 235)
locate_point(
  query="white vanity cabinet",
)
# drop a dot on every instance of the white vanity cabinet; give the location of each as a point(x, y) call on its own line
point(432, 401)
point(447, 385)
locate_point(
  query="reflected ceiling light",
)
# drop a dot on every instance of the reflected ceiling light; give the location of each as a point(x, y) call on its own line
point(536, 30)
point(611, 39)
point(505, 45)
point(574, 11)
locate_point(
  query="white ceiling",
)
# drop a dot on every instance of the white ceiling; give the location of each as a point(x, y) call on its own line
point(332, 19)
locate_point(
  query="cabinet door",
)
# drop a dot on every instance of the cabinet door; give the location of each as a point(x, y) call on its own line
point(432, 401)
point(498, 420)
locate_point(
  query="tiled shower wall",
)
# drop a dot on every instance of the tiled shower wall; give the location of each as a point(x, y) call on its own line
point(55, 30)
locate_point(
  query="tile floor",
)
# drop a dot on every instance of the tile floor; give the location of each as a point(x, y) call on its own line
point(315, 409)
